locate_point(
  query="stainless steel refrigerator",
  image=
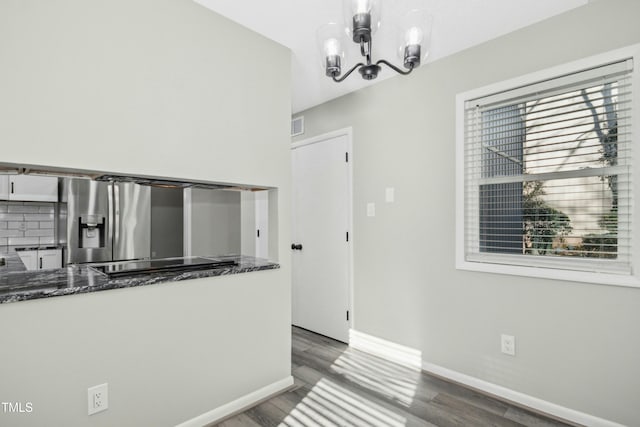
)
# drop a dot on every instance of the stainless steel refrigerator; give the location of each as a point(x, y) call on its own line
point(107, 221)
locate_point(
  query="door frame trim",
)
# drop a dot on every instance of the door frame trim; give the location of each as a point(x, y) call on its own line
point(348, 132)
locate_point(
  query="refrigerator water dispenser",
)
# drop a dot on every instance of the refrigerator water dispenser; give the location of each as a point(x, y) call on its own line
point(92, 232)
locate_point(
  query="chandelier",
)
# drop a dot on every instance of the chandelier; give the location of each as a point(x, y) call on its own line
point(362, 19)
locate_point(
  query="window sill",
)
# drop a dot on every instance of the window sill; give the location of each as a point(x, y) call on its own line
point(626, 280)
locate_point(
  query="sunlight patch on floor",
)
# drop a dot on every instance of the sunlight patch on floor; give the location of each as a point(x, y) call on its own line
point(393, 381)
point(328, 403)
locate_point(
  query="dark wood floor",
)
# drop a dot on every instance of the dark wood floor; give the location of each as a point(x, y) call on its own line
point(338, 386)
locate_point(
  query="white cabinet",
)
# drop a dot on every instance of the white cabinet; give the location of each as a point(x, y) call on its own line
point(43, 259)
point(4, 187)
point(29, 259)
point(33, 188)
point(49, 258)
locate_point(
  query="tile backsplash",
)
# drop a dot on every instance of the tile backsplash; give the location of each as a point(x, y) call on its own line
point(26, 223)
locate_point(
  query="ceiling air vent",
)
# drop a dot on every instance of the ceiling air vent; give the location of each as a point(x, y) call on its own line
point(297, 126)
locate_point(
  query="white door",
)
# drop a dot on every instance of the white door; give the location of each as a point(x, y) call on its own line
point(262, 224)
point(321, 220)
point(248, 223)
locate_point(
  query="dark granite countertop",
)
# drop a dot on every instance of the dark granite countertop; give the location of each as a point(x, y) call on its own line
point(17, 284)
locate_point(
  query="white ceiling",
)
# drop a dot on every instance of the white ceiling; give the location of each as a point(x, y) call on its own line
point(457, 25)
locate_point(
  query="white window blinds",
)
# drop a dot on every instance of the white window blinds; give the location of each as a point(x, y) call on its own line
point(547, 178)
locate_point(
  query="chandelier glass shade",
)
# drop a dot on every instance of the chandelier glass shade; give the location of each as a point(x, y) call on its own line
point(362, 19)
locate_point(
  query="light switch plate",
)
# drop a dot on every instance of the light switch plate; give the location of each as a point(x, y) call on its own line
point(371, 209)
point(389, 194)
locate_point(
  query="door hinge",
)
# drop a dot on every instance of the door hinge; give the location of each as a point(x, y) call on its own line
point(347, 315)
point(346, 157)
point(347, 236)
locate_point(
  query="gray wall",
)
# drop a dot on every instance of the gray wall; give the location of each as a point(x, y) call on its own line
point(143, 87)
point(215, 222)
point(167, 225)
point(578, 344)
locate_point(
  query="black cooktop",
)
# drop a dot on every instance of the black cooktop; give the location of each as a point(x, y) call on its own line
point(162, 265)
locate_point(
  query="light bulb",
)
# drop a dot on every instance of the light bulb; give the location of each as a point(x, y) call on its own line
point(363, 6)
point(331, 47)
point(413, 36)
point(362, 18)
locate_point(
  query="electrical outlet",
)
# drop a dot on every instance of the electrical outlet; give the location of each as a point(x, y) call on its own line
point(98, 398)
point(508, 344)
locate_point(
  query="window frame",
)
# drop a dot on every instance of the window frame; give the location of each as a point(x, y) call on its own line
point(543, 269)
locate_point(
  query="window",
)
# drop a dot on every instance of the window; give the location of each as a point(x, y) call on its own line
point(545, 174)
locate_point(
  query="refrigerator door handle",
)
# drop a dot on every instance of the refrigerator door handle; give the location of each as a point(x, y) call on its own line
point(111, 219)
point(116, 217)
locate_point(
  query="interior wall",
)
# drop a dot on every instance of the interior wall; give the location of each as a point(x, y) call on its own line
point(167, 222)
point(215, 222)
point(577, 344)
point(145, 87)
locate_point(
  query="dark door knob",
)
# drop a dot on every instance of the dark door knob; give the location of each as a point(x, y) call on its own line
point(296, 246)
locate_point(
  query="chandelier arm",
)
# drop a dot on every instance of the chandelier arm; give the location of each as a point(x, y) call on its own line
point(394, 68)
point(355, 67)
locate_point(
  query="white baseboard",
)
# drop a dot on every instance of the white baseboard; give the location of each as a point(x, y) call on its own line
point(400, 354)
point(519, 398)
point(239, 405)
point(409, 357)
